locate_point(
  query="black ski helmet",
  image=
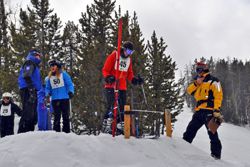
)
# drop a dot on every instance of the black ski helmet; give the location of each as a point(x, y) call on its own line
point(128, 45)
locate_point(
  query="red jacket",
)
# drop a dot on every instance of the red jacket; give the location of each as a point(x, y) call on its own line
point(125, 70)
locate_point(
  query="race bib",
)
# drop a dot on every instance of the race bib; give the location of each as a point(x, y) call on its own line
point(56, 82)
point(5, 110)
point(123, 64)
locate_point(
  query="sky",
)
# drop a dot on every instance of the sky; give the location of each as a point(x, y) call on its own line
point(191, 28)
point(52, 149)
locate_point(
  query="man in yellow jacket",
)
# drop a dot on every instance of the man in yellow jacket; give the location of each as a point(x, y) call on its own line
point(207, 92)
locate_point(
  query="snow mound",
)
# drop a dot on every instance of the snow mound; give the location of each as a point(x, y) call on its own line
point(51, 149)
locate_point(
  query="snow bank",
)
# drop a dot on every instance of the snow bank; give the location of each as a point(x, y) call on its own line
point(51, 149)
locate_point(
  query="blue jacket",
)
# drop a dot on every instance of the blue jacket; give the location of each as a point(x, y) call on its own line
point(59, 91)
point(36, 76)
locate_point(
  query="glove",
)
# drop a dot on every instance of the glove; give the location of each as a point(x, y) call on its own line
point(217, 114)
point(110, 79)
point(70, 95)
point(140, 80)
point(218, 117)
point(134, 81)
point(137, 81)
point(47, 99)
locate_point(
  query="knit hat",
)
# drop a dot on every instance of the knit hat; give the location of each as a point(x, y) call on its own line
point(7, 94)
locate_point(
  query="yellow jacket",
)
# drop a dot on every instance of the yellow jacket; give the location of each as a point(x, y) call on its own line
point(208, 95)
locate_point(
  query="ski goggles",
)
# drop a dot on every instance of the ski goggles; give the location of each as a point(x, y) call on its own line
point(52, 64)
point(7, 98)
point(199, 70)
point(129, 52)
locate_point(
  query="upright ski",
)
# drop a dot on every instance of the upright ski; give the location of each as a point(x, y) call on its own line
point(115, 109)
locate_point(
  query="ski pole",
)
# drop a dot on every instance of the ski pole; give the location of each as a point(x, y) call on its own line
point(70, 114)
point(144, 95)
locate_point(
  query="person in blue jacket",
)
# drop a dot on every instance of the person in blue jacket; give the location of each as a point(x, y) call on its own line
point(29, 81)
point(60, 88)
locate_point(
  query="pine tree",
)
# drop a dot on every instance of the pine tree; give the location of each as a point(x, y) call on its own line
point(7, 61)
point(3, 34)
point(96, 27)
point(222, 72)
point(39, 29)
point(165, 92)
point(70, 51)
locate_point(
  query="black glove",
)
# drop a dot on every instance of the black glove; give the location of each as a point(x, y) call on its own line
point(47, 99)
point(134, 81)
point(137, 80)
point(70, 95)
point(140, 80)
point(110, 79)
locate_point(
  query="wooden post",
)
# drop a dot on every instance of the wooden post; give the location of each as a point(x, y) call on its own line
point(168, 125)
point(127, 121)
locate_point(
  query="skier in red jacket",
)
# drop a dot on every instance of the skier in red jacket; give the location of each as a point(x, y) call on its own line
point(125, 73)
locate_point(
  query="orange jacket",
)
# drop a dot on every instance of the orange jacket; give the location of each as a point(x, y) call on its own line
point(125, 70)
point(208, 95)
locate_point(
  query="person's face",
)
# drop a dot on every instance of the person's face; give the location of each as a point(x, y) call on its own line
point(53, 68)
point(38, 56)
point(6, 99)
point(200, 71)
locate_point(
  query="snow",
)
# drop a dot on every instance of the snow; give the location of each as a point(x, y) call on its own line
point(235, 140)
point(51, 149)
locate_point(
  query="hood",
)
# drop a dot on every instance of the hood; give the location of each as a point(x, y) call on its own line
point(33, 58)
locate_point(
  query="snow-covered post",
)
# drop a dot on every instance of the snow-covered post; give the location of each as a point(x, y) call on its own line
point(168, 125)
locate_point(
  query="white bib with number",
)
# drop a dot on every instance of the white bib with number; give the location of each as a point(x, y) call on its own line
point(5, 110)
point(123, 64)
point(56, 82)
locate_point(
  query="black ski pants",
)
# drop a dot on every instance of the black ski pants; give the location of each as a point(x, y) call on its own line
point(29, 115)
point(110, 97)
point(61, 108)
point(199, 119)
point(7, 125)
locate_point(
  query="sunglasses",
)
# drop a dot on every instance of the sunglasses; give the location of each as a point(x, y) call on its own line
point(129, 52)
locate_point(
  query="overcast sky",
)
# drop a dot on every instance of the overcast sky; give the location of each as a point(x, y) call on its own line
point(190, 28)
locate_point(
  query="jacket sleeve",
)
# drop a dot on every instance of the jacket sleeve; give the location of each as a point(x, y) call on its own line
point(68, 82)
point(48, 88)
point(109, 64)
point(191, 89)
point(16, 109)
point(130, 71)
point(218, 94)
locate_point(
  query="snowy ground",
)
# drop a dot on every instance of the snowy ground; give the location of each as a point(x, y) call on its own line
point(51, 149)
point(235, 140)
